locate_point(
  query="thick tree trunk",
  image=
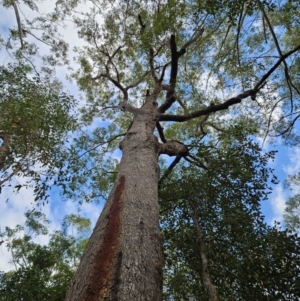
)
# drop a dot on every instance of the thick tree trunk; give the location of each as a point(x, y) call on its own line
point(123, 259)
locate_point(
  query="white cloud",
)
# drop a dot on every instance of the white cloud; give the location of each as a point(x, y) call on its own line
point(277, 202)
point(12, 214)
point(294, 166)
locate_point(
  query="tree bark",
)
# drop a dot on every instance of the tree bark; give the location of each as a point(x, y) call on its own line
point(123, 258)
point(210, 287)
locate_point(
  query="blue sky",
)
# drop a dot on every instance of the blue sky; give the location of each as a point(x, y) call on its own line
point(12, 212)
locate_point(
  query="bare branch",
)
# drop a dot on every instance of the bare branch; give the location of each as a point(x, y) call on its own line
point(212, 108)
point(185, 109)
point(151, 63)
point(19, 168)
point(126, 107)
point(101, 143)
point(202, 122)
point(173, 148)
point(197, 34)
point(29, 32)
point(259, 85)
point(240, 24)
point(161, 132)
point(169, 170)
point(173, 75)
point(138, 81)
point(195, 161)
point(163, 72)
point(20, 29)
point(289, 127)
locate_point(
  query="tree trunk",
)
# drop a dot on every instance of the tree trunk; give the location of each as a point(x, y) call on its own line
point(123, 258)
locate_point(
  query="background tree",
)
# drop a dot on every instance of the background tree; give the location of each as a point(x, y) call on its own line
point(292, 210)
point(215, 237)
point(35, 120)
point(42, 272)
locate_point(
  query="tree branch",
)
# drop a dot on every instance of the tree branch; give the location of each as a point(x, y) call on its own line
point(196, 161)
point(138, 81)
point(161, 132)
point(212, 108)
point(115, 82)
point(232, 101)
point(175, 55)
point(259, 85)
point(198, 34)
point(151, 63)
point(286, 69)
point(20, 29)
point(19, 168)
point(169, 170)
point(101, 143)
point(173, 148)
point(173, 74)
point(163, 72)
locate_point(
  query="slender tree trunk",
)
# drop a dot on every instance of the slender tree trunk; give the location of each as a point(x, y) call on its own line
point(210, 287)
point(123, 259)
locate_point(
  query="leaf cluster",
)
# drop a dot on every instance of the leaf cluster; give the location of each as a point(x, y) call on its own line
point(42, 272)
point(247, 259)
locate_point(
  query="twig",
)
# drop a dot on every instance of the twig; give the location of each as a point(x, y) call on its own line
point(169, 170)
point(232, 101)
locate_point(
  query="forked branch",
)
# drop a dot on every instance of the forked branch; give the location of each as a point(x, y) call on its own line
point(232, 101)
point(175, 55)
point(286, 69)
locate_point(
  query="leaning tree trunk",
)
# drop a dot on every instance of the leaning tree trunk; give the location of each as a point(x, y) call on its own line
point(123, 258)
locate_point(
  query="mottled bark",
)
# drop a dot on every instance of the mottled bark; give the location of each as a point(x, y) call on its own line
point(123, 259)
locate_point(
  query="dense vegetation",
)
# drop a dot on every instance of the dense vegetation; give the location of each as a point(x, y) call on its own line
point(224, 75)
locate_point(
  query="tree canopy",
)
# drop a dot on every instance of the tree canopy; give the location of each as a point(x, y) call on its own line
point(42, 272)
point(217, 76)
point(35, 118)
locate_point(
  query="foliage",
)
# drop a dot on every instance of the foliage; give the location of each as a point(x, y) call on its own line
point(292, 209)
point(248, 260)
point(242, 40)
point(35, 119)
point(292, 213)
point(42, 272)
point(228, 47)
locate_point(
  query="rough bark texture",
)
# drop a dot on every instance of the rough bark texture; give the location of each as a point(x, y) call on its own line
point(123, 259)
